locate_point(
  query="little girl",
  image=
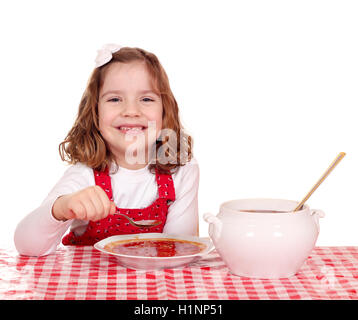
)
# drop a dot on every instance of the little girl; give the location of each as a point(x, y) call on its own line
point(127, 102)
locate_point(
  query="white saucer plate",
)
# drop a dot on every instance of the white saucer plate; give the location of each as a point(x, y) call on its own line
point(154, 263)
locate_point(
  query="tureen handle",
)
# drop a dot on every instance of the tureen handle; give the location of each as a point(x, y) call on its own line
point(215, 226)
point(316, 214)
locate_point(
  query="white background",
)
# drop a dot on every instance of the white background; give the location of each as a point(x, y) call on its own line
point(268, 90)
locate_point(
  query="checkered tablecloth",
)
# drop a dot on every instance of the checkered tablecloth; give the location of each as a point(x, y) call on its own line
point(85, 273)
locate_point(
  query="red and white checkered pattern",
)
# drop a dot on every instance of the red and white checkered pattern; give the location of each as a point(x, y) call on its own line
point(85, 273)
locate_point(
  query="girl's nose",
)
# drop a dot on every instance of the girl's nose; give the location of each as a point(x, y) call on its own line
point(131, 109)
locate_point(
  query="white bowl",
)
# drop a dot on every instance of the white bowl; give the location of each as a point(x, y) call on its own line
point(264, 245)
point(154, 263)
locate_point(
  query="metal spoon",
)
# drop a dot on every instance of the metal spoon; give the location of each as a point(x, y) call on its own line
point(141, 223)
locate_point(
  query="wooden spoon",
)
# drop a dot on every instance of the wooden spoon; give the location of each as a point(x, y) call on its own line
point(318, 183)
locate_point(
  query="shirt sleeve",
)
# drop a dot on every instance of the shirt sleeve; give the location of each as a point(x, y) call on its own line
point(183, 215)
point(39, 233)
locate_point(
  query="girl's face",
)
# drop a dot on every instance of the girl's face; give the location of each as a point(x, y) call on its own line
point(127, 103)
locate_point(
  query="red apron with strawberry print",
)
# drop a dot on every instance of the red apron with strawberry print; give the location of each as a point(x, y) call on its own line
point(117, 225)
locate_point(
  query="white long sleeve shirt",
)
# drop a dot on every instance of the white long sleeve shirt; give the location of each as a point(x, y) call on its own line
point(39, 233)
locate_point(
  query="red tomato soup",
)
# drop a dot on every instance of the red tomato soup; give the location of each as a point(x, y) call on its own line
point(155, 247)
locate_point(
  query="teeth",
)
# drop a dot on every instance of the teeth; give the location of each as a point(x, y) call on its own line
point(131, 128)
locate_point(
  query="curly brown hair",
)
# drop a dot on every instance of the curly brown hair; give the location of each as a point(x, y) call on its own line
point(84, 142)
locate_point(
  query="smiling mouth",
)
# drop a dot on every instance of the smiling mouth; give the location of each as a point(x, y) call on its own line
point(131, 130)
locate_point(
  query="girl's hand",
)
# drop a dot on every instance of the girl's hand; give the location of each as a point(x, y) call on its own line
point(91, 203)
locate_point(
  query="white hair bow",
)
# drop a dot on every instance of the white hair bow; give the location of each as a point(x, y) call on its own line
point(104, 55)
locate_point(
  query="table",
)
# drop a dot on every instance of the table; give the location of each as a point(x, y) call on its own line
point(81, 273)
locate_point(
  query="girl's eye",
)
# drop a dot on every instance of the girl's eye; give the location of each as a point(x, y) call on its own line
point(147, 99)
point(117, 100)
point(114, 100)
